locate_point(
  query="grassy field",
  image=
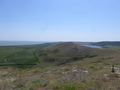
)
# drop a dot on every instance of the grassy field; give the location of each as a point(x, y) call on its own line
point(86, 74)
point(20, 54)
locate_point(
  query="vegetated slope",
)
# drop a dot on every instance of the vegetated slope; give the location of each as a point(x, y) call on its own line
point(84, 43)
point(69, 51)
point(107, 43)
point(24, 54)
point(87, 74)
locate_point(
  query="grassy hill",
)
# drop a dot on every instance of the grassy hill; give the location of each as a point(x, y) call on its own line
point(91, 72)
point(69, 51)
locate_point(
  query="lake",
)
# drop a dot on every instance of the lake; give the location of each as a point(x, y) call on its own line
point(92, 46)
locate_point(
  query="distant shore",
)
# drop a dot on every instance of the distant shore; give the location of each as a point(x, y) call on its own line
point(16, 43)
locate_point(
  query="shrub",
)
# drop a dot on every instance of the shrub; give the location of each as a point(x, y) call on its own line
point(113, 70)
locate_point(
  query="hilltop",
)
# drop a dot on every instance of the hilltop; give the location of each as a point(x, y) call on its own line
point(69, 51)
point(60, 66)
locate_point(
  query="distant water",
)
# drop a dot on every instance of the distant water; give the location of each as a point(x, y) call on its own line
point(92, 46)
point(14, 43)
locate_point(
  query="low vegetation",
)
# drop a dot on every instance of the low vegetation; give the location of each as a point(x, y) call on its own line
point(94, 71)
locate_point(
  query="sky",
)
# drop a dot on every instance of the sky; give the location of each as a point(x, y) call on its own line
point(60, 20)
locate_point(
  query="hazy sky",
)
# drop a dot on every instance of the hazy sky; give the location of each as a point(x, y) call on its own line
point(60, 20)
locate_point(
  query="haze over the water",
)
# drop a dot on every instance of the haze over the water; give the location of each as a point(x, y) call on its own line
point(60, 20)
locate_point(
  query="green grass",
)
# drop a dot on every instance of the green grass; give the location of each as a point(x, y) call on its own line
point(90, 73)
point(20, 54)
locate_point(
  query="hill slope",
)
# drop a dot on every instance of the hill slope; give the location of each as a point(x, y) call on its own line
point(69, 51)
point(91, 73)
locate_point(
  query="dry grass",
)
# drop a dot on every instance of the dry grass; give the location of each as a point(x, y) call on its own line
point(86, 74)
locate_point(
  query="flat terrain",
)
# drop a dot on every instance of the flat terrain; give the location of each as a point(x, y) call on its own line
point(91, 72)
